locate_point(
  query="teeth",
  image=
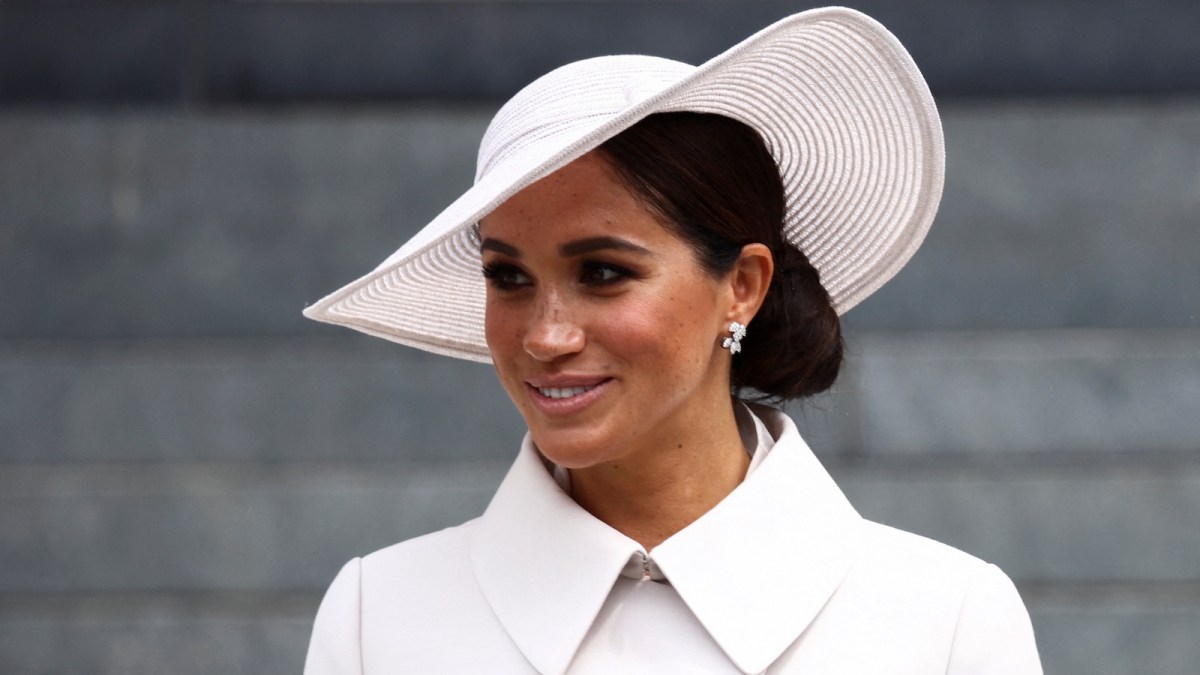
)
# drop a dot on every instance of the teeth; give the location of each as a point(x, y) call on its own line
point(553, 392)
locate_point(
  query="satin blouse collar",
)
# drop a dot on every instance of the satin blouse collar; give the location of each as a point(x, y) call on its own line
point(755, 570)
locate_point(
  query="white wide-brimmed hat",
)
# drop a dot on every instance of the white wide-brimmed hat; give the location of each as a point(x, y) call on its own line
point(835, 96)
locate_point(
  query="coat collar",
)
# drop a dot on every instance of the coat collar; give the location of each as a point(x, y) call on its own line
point(755, 570)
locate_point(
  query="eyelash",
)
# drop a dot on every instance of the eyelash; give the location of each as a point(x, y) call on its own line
point(501, 275)
point(592, 267)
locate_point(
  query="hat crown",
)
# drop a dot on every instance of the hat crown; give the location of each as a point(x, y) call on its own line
point(565, 105)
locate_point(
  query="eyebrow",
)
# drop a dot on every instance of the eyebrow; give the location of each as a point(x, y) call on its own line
point(571, 248)
point(499, 247)
point(593, 244)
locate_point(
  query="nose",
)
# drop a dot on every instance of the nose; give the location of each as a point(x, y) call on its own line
point(552, 333)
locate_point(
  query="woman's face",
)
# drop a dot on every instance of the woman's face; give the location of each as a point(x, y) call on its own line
point(602, 326)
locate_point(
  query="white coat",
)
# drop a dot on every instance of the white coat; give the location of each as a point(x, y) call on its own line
point(783, 575)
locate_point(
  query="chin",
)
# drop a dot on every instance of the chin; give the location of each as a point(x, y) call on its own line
point(572, 449)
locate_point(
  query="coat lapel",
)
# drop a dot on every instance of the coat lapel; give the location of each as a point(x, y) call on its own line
point(544, 564)
point(757, 569)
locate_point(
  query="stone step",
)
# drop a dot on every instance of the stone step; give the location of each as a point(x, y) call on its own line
point(146, 223)
point(155, 223)
point(1024, 392)
point(254, 52)
point(1086, 522)
point(1072, 393)
point(220, 527)
point(290, 526)
point(150, 634)
point(1055, 216)
point(262, 634)
point(266, 400)
point(1111, 630)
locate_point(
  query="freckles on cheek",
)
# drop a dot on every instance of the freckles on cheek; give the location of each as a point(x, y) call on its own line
point(499, 326)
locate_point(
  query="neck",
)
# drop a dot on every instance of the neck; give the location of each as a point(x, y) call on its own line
point(664, 488)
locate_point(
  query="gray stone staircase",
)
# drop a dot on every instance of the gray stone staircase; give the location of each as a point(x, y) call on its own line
point(185, 462)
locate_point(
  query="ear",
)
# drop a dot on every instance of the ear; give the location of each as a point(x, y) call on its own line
point(749, 280)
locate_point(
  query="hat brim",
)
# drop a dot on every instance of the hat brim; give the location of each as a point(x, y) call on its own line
point(838, 101)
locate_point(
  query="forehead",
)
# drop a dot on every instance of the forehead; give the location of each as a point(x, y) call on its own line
point(585, 195)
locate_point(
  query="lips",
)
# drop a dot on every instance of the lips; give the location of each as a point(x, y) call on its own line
point(560, 395)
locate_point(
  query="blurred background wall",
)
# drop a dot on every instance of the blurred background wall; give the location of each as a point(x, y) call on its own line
point(185, 462)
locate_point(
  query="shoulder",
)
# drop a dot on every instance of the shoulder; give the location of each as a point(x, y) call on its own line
point(423, 554)
point(424, 589)
point(923, 590)
point(886, 548)
point(403, 580)
point(910, 566)
point(406, 567)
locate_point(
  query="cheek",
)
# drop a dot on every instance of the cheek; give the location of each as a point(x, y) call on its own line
point(502, 331)
point(504, 343)
point(668, 331)
point(499, 320)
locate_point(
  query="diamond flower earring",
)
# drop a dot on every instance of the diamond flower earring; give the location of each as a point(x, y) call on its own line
point(734, 343)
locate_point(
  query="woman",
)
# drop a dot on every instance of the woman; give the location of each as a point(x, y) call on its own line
point(654, 237)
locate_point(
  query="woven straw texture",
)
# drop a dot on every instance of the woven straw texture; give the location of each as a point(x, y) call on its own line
point(837, 99)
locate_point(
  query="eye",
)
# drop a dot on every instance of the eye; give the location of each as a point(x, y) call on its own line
point(602, 274)
point(505, 276)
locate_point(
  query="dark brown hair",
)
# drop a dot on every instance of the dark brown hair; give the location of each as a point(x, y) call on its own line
point(715, 184)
